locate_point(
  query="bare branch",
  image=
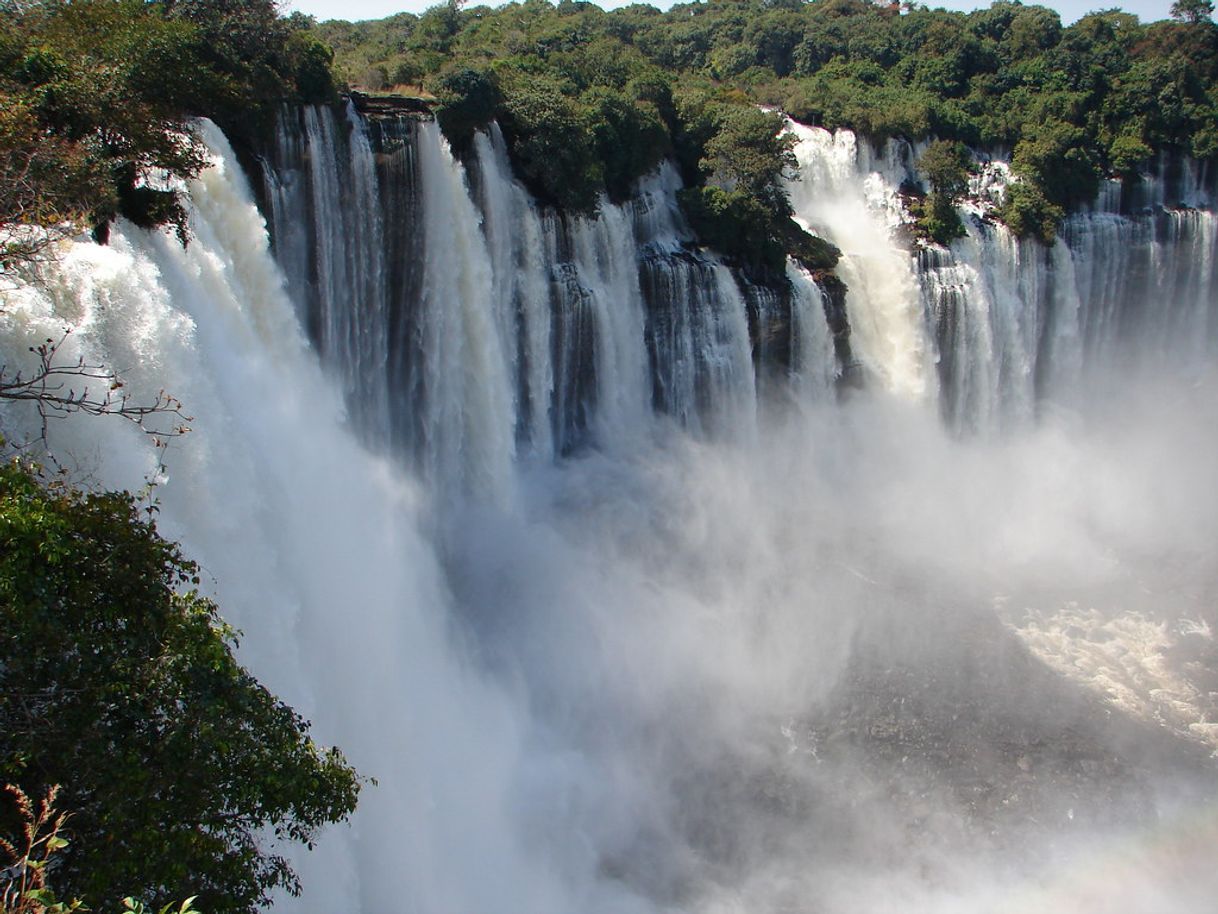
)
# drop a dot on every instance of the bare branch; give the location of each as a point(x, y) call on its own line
point(57, 389)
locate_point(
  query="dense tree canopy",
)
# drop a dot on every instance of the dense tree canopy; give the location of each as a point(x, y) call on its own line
point(97, 94)
point(96, 98)
point(1072, 104)
point(118, 683)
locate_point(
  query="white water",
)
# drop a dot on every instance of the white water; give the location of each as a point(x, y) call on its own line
point(1011, 325)
point(840, 196)
point(626, 686)
point(465, 392)
point(311, 546)
point(815, 369)
point(516, 239)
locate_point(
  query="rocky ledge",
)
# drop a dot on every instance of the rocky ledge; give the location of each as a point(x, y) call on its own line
point(390, 105)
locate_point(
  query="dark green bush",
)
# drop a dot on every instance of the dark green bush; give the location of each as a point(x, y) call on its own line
point(468, 100)
point(1027, 211)
point(553, 147)
point(118, 683)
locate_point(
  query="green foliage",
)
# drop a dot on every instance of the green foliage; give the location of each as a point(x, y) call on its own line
point(734, 223)
point(101, 93)
point(108, 81)
point(628, 136)
point(1127, 154)
point(945, 164)
point(936, 217)
point(467, 99)
point(553, 147)
point(1055, 157)
point(812, 251)
point(118, 682)
point(257, 50)
point(743, 211)
point(311, 60)
point(748, 151)
point(1075, 102)
point(1027, 211)
point(46, 183)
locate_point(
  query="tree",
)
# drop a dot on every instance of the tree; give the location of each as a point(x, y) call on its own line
point(945, 164)
point(1193, 11)
point(553, 149)
point(118, 682)
point(97, 99)
point(47, 186)
point(101, 90)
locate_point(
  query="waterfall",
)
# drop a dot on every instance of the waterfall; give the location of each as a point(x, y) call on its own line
point(563, 530)
point(841, 197)
point(1018, 324)
point(343, 291)
point(517, 241)
point(1010, 324)
point(698, 335)
point(461, 387)
point(815, 365)
point(493, 326)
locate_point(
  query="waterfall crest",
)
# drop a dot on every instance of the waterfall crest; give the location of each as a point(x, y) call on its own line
point(840, 196)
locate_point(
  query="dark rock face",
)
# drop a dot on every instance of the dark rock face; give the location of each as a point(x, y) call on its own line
point(839, 325)
point(392, 106)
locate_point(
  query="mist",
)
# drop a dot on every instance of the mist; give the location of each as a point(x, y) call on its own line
point(818, 673)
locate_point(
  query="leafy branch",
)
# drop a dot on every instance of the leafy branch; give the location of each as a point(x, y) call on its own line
point(26, 862)
point(23, 880)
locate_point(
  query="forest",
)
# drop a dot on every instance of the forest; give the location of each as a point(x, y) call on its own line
point(97, 95)
point(591, 99)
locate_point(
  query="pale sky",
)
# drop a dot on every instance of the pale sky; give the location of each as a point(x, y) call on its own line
point(1147, 10)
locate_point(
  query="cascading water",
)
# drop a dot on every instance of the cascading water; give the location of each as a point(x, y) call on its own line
point(310, 542)
point(343, 290)
point(841, 196)
point(517, 240)
point(611, 636)
point(589, 334)
point(1011, 323)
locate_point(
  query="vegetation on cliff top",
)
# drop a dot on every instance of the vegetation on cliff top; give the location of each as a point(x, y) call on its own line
point(96, 97)
point(1071, 104)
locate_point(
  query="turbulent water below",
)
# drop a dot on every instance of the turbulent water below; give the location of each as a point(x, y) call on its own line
point(571, 539)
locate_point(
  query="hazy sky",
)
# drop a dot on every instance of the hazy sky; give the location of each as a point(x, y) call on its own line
point(377, 9)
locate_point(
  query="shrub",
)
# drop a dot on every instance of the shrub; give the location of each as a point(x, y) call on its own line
point(118, 682)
